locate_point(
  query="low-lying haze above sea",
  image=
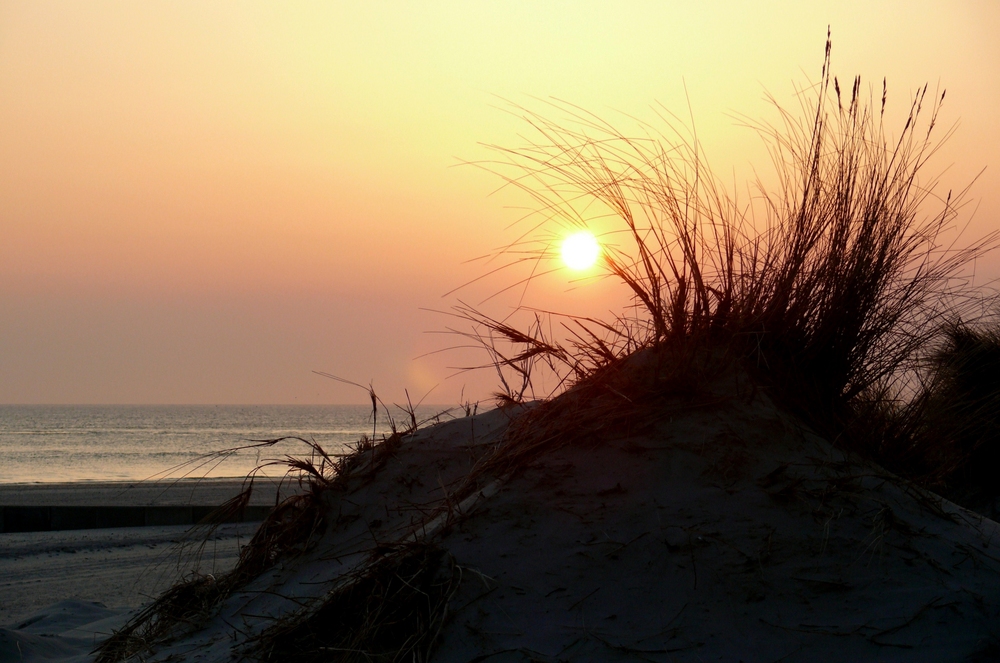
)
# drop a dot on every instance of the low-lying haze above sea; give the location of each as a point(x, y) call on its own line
point(66, 443)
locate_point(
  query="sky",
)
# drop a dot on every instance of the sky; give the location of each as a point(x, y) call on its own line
point(206, 202)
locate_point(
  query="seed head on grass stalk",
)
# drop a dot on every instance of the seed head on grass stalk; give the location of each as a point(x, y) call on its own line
point(829, 286)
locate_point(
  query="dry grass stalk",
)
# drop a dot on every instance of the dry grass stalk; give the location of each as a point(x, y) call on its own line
point(830, 294)
point(392, 610)
point(187, 603)
point(292, 527)
point(295, 523)
point(829, 299)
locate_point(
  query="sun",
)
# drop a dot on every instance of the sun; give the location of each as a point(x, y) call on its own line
point(580, 250)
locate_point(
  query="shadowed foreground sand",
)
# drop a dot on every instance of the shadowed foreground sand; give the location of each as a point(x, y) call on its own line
point(721, 529)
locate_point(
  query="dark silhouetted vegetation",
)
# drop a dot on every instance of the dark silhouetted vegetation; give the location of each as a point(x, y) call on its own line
point(830, 290)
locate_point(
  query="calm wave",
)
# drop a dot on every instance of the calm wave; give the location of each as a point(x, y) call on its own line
point(48, 443)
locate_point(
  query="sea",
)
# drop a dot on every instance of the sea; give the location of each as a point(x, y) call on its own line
point(85, 443)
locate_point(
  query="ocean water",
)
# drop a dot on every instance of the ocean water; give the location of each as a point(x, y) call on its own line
point(50, 443)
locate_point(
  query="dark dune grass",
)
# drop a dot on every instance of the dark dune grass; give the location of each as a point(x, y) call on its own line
point(840, 297)
point(844, 292)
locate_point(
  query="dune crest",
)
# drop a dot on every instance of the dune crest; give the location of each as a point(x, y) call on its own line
point(706, 524)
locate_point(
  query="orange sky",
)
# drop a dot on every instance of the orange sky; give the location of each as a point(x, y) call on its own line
point(202, 202)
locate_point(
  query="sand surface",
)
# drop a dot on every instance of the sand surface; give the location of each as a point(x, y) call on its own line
point(724, 531)
point(66, 631)
point(74, 580)
point(118, 567)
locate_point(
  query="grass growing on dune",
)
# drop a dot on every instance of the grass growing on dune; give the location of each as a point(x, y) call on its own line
point(836, 292)
point(956, 441)
point(292, 527)
point(830, 289)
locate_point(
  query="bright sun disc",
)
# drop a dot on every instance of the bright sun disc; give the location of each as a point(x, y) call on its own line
point(580, 250)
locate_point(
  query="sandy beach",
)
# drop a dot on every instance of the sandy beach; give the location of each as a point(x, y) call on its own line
point(118, 567)
point(718, 530)
point(724, 530)
point(589, 331)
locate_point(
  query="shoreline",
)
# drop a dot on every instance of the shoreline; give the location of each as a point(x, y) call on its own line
point(174, 492)
point(54, 507)
point(122, 567)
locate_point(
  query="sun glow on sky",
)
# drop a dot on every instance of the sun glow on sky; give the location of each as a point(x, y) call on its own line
point(203, 201)
point(580, 250)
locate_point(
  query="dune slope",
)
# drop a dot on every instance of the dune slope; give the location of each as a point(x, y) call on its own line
point(719, 528)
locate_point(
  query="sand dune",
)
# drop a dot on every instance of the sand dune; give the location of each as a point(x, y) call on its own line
point(722, 529)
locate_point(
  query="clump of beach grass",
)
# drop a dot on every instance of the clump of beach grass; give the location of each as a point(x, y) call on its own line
point(829, 290)
point(831, 297)
point(954, 444)
point(292, 527)
point(392, 609)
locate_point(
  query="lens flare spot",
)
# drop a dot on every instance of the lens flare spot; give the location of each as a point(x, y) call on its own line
point(580, 250)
